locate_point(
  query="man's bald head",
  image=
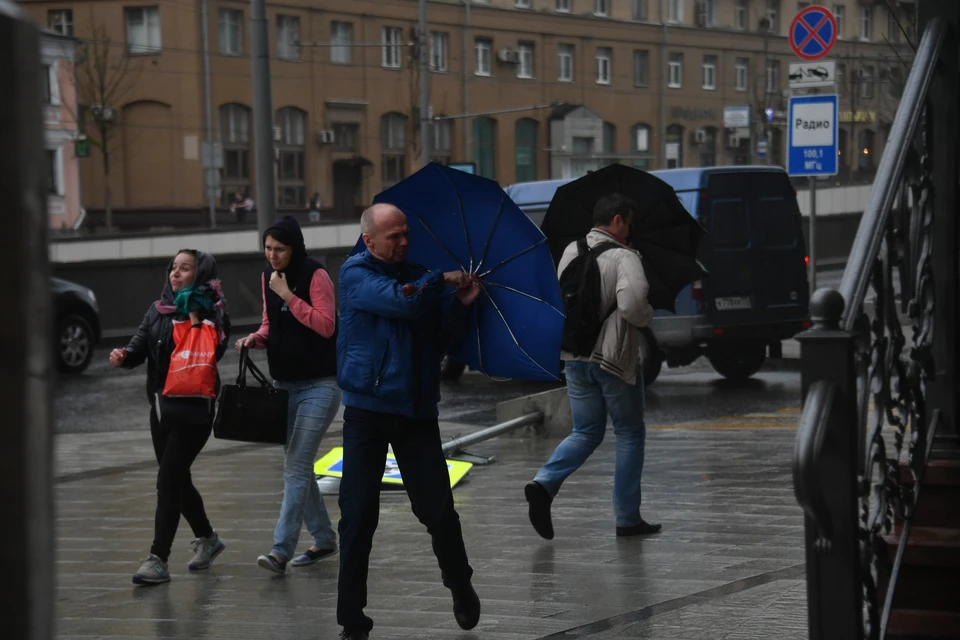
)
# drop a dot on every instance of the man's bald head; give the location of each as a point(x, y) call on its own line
point(384, 230)
point(376, 216)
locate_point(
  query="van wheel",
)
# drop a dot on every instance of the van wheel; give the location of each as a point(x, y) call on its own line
point(737, 360)
point(451, 370)
point(650, 359)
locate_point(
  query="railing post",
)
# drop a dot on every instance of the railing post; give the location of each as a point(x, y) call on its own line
point(834, 591)
point(26, 486)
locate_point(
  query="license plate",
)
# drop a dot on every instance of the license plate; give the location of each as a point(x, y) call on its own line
point(732, 303)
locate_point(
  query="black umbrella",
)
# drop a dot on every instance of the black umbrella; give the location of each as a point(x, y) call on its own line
point(664, 233)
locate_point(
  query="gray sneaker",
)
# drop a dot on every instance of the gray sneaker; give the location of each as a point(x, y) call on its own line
point(152, 570)
point(206, 551)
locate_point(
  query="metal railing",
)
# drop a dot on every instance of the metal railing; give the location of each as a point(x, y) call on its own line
point(846, 482)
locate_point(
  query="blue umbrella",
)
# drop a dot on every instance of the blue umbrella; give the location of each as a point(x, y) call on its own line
point(459, 221)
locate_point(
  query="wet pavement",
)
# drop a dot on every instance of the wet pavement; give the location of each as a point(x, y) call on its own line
point(728, 563)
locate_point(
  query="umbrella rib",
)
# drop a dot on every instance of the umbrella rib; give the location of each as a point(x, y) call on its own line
point(442, 246)
point(513, 257)
point(496, 308)
point(463, 219)
point(526, 295)
point(483, 369)
point(486, 247)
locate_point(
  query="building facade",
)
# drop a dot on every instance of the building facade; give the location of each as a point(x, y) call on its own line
point(523, 89)
point(57, 57)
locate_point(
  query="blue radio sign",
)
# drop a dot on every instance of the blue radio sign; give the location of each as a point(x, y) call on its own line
point(812, 141)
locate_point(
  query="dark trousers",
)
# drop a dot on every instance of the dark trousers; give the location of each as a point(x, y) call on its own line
point(177, 441)
point(417, 448)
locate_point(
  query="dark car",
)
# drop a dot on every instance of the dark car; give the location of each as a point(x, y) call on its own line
point(76, 325)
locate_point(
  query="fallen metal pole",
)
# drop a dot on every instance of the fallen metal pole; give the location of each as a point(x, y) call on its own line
point(459, 444)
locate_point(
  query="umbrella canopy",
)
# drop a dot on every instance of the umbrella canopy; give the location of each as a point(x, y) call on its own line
point(463, 222)
point(664, 233)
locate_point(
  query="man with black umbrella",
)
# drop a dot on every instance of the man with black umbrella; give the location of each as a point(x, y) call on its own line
point(602, 373)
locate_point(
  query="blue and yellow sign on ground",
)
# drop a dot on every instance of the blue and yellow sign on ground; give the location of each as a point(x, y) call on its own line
point(332, 465)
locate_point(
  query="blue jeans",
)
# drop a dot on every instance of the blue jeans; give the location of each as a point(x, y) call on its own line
point(594, 394)
point(313, 405)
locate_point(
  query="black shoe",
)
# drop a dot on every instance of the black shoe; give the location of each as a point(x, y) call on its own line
point(642, 529)
point(466, 607)
point(539, 501)
point(271, 564)
point(356, 634)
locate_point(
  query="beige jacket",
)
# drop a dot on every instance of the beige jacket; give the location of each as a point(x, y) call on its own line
point(624, 282)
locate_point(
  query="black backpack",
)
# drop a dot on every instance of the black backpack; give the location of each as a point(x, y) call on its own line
point(581, 288)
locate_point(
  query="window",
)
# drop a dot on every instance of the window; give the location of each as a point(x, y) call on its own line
point(773, 76)
point(393, 145)
point(896, 79)
point(741, 73)
point(729, 224)
point(50, 82)
point(609, 143)
point(525, 68)
point(802, 5)
point(143, 30)
point(639, 10)
point(641, 68)
point(866, 82)
point(601, 7)
point(288, 35)
point(706, 13)
point(392, 39)
point(604, 64)
point(582, 159)
point(345, 136)
point(235, 136)
point(841, 78)
point(54, 173)
point(60, 21)
point(565, 63)
point(893, 29)
point(709, 72)
point(230, 23)
point(485, 147)
point(773, 16)
point(708, 148)
point(439, 45)
point(525, 141)
point(866, 150)
point(674, 11)
point(563, 6)
point(640, 140)
point(675, 69)
point(740, 13)
point(522, 4)
point(866, 15)
point(341, 37)
point(441, 132)
point(674, 147)
point(483, 48)
point(838, 13)
point(291, 186)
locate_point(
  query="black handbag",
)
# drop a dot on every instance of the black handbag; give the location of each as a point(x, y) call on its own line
point(254, 413)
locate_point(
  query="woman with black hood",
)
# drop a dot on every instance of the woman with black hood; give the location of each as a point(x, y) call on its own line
point(181, 387)
point(299, 332)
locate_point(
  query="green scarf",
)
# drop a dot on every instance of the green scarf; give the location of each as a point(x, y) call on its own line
point(187, 300)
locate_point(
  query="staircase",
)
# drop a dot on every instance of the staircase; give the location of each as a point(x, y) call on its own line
point(876, 466)
point(926, 600)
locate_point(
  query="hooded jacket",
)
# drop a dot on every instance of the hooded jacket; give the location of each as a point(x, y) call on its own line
point(625, 285)
point(294, 350)
point(153, 341)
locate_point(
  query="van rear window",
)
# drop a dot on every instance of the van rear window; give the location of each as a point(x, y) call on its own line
point(778, 223)
point(729, 223)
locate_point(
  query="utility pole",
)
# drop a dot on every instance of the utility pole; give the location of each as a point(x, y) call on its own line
point(262, 116)
point(424, 43)
point(209, 171)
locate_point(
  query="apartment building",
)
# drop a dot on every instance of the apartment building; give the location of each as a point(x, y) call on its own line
point(523, 89)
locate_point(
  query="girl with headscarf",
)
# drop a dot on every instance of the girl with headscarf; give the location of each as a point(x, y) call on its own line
point(299, 332)
point(179, 426)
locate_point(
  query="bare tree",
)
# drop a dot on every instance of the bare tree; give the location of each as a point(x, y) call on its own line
point(106, 75)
